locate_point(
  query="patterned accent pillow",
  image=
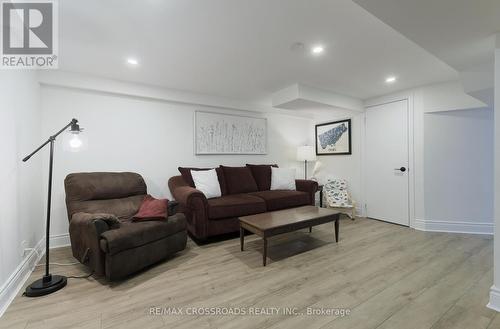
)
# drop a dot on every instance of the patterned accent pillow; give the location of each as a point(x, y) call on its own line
point(336, 184)
point(336, 193)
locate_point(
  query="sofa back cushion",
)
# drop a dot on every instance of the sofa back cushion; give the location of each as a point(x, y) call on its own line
point(186, 174)
point(239, 180)
point(262, 175)
point(120, 194)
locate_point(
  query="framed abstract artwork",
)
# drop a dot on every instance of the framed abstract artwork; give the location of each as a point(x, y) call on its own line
point(333, 138)
point(218, 133)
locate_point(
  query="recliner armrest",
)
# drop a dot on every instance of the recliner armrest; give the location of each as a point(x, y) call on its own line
point(85, 231)
point(172, 207)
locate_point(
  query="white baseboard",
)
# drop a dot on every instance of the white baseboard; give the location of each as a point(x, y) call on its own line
point(360, 211)
point(453, 227)
point(17, 279)
point(494, 303)
point(59, 240)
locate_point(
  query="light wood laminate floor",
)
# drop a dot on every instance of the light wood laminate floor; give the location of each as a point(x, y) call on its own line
point(388, 276)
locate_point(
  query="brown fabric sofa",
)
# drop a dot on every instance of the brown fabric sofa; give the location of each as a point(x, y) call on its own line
point(245, 191)
point(117, 248)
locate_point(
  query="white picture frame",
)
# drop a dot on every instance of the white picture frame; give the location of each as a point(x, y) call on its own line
point(220, 133)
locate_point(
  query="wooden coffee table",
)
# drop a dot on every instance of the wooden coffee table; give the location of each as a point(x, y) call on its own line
point(273, 223)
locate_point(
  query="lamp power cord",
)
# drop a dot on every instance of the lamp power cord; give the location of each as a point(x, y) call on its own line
point(85, 276)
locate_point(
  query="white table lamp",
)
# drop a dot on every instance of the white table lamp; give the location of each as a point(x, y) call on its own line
point(306, 153)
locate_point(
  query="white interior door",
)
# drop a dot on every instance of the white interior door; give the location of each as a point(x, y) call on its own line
point(386, 178)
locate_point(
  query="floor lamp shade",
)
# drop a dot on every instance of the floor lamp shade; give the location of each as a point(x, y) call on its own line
point(306, 153)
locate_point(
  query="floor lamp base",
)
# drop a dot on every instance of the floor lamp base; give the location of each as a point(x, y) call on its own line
point(46, 285)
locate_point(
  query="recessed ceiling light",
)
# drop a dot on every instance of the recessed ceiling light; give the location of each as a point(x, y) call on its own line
point(132, 61)
point(390, 79)
point(316, 50)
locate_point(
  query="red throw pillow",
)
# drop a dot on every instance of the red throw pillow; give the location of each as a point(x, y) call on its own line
point(152, 209)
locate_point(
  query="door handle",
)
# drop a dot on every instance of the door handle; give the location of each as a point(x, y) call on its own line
point(402, 169)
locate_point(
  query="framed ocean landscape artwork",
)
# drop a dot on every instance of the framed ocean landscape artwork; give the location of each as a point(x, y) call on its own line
point(333, 138)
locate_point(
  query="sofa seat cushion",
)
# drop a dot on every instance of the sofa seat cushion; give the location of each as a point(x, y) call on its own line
point(282, 199)
point(135, 234)
point(235, 205)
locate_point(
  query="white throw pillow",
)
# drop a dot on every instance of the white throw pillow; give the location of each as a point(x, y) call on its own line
point(282, 178)
point(207, 182)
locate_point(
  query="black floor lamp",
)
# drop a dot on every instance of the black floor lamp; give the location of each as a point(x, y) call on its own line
point(50, 283)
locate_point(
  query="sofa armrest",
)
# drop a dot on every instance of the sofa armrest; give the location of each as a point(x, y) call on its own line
point(194, 205)
point(188, 196)
point(85, 231)
point(308, 186)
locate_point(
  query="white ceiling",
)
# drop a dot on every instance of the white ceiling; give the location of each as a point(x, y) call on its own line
point(241, 48)
point(460, 32)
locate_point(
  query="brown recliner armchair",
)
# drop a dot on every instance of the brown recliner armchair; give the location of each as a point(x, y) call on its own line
point(117, 248)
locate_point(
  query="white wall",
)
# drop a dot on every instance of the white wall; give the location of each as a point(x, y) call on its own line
point(348, 167)
point(458, 166)
point(21, 209)
point(436, 116)
point(495, 289)
point(147, 136)
point(445, 112)
point(442, 97)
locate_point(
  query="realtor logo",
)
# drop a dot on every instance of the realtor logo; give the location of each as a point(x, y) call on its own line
point(29, 34)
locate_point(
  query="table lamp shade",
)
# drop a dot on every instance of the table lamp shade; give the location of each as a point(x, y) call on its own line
point(306, 153)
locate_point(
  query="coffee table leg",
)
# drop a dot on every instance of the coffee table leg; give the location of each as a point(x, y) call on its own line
point(264, 253)
point(242, 237)
point(337, 230)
